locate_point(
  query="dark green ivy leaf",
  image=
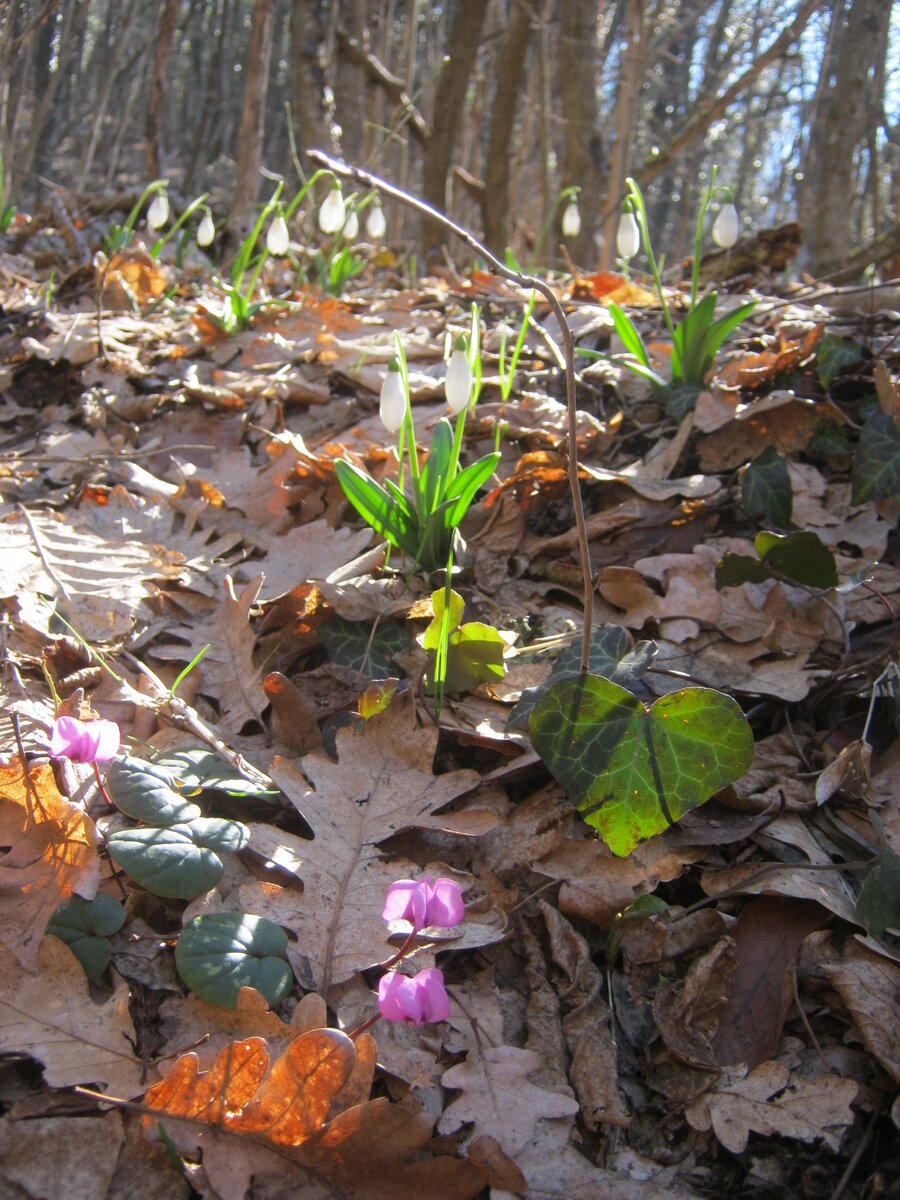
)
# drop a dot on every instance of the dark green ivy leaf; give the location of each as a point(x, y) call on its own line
point(876, 468)
point(833, 354)
point(352, 644)
point(766, 490)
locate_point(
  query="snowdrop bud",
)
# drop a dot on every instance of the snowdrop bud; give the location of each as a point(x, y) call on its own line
point(351, 226)
point(392, 404)
point(277, 239)
point(571, 221)
point(725, 227)
point(376, 225)
point(458, 384)
point(628, 236)
point(158, 212)
point(206, 231)
point(331, 214)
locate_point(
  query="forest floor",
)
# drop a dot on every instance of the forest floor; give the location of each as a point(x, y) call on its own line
point(168, 489)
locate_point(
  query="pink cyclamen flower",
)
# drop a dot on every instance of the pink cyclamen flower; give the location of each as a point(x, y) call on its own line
point(84, 741)
point(419, 999)
point(424, 903)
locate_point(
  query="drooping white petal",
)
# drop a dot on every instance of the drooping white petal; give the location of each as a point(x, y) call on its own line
point(376, 225)
point(351, 226)
point(726, 227)
point(571, 221)
point(628, 236)
point(458, 384)
point(331, 214)
point(158, 212)
point(392, 403)
point(206, 231)
point(278, 238)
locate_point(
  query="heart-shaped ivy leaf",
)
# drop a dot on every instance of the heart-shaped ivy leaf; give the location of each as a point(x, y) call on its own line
point(85, 926)
point(610, 655)
point(797, 557)
point(177, 861)
point(218, 954)
point(145, 792)
point(876, 468)
point(353, 644)
point(633, 771)
point(766, 489)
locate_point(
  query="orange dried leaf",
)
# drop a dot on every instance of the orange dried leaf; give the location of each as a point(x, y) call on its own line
point(611, 289)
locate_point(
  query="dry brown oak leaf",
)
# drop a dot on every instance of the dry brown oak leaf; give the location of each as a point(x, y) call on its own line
point(280, 1122)
point(52, 854)
point(52, 1018)
point(381, 784)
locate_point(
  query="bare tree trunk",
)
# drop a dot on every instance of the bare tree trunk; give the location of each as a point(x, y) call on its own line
point(350, 82)
point(307, 78)
point(626, 103)
point(584, 156)
point(510, 71)
point(452, 81)
point(250, 136)
point(153, 148)
point(73, 19)
point(840, 127)
point(103, 101)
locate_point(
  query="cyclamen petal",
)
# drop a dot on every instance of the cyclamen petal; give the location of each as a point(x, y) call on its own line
point(424, 904)
point(446, 906)
point(83, 741)
point(418, 1000)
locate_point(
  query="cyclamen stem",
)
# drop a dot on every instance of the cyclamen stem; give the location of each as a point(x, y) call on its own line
point(366, 179)
point(102, 786)
point(404, 950)
point(354, 1034)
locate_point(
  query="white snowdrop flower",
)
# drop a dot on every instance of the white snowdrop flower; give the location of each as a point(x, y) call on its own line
point(726, 227)
point(392, 403)
point(628, 236)
point(206, 231)
point(158, 212)
point(278, 238)
point(351, 226)
point(331, 214)
point(376, 225)
point(458, 384)
point(571, 221)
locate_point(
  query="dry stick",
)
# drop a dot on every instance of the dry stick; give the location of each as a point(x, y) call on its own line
point(366, 179)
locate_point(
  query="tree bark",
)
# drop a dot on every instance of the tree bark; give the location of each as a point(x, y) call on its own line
point(839, 129)
point(307, 79)
point(584, 156)
point(249, 151)
point(626, 103)
point(153, 150)
point(510, 72)
point(450, 93)
point(350, 82)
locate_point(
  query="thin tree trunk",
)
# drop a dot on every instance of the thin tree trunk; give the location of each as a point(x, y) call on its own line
point(451, 83)
point(307, 78)
point(153, 149)
point(73, 18)
point(350, 82)
point(509, 71)
point(103, 102)
point(626, 103)
point(250, 136)
point(584, 155)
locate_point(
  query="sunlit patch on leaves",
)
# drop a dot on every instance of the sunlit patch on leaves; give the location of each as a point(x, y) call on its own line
point(611, 655)
point(632, 771)
point(177, 861)
point(377, 697)
point(766, 489)
point(833, 355)
point(86, 926)
point(474, 650)
point(799, 557)
point(353, 644)
point(876, 468)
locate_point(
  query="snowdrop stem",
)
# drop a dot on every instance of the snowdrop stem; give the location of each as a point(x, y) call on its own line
point(568, 342)
point(354, 1034)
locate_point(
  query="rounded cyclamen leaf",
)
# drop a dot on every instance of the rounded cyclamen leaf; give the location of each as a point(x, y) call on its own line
point(628, 236)
point(158, 212)
point(167, 861)
point(331, 214)
point(146, 792)
point(85, 926)
point(206, 231)
point(571, 221)
point(726, 227)
point(376, 225)
point(218, 954)
point(392, 403)
point(458, 384)
point(278, 239)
